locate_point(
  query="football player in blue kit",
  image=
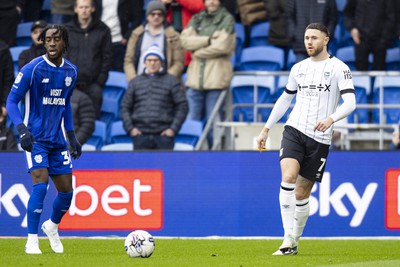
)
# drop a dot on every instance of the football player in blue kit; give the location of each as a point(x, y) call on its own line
point(46, 85)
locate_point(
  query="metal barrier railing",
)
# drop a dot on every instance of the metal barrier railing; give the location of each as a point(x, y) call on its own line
point(381, 126)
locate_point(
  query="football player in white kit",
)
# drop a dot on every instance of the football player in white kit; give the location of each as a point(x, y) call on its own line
point(318, 82)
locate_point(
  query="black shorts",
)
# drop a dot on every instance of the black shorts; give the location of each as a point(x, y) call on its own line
point(310, 154)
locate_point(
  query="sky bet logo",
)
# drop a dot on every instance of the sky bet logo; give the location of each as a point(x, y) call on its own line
point(392, 207)
point(110, 200)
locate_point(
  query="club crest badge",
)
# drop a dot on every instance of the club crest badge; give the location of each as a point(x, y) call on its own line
point(38, 159)
point(68, 81)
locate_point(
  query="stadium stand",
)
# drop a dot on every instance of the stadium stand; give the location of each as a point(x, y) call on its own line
point(266, 58)
point(243, 92)
point(113, 92)
point(99, 135)
point(259, 34)
point(24, 34)
point(15, 51)
point(240, 42)
point(391, 95)
point(188, 135)
point(118, 134)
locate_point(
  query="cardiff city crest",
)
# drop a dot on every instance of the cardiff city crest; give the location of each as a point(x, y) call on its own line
point(68, 81)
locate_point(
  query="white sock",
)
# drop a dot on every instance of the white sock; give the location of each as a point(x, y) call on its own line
point(287, 202)
point(301, 214)
point(32, 239)
point(52, 226)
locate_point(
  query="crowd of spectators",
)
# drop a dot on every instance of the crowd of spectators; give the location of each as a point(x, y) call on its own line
point(196, 38)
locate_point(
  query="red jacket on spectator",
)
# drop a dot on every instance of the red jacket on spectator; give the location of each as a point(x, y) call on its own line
point(188, 8)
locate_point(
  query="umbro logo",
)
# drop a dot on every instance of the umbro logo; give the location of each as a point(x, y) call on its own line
point(45, 80)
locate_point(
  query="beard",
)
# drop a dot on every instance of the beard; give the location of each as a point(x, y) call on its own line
point(315, 52)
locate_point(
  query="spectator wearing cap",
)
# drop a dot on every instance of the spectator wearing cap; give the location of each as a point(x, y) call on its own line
point(37, 48)
point(154, 31)
point(154, 106)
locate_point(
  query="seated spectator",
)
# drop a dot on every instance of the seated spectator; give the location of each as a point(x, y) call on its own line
point(7, 138)
point(210, 36)
point(154, 106)
point(83, 115)
point(37, 48)
point(154, 31)
point(90, 49)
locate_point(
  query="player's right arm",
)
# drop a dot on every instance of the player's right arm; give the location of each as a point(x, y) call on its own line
point(280, 108)
point(18, 90)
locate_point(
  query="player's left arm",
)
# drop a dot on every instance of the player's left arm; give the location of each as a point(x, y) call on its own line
point(347, 93)
point(76, 147)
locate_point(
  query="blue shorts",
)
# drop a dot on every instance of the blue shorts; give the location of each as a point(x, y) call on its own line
point(56, 160)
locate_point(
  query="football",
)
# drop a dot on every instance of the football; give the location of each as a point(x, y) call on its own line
point(139, 244)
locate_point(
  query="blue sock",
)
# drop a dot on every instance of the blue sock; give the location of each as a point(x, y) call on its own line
point(35, 207)
point(60, 206)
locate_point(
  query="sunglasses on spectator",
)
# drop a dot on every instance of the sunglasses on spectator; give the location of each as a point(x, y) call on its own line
point(159, 14)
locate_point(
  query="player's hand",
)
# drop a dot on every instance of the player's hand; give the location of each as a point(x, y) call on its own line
point(25, 137)
point(323, 125)
point(76, 147)
point(262, 140)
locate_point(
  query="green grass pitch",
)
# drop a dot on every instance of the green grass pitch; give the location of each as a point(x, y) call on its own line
point(205, 252)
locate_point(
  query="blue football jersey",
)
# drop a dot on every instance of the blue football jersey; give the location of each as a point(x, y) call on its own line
point(47, 90)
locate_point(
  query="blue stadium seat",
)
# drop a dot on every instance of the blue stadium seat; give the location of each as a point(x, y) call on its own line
point(362, 85)
point(113, 92)
point(240, 41)
point(336, 42)
point(259, 34)
point(24, 34)
point(99, 135)
point(346, 54)
point(118, 147)
point(15, 51)
point(242, 87)
point(267, 58)
point(291, 59)
point(118, 133)
point(347, 40)
point(188, 135)
point(393, 59)
point(391, 95)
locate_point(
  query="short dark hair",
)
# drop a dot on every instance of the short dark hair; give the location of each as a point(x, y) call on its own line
point(59, 29)
point(320, 27)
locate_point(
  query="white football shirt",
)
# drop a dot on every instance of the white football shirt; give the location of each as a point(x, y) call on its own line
point(318, 85)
